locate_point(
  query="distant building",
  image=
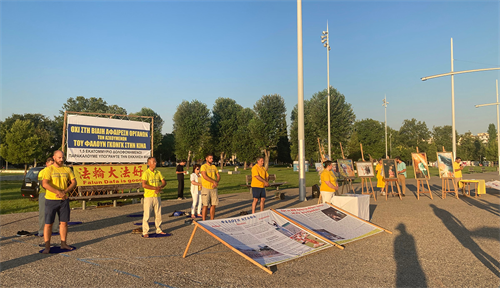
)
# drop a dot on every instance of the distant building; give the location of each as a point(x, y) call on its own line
point(483, 137)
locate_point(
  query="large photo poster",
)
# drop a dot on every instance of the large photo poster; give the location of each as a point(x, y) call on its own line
point(346, 168)
point(103, 140)
point(420, 166)
point(265, 237)
point(331, 223)
point(365, 169)
point(390, 169)
point(445, 164)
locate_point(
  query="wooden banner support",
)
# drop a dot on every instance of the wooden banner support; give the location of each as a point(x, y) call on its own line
point(445, 183)
point(392, 181)
point(229, 246)
point(342, 150)
point(364, 183)
point(420, 182)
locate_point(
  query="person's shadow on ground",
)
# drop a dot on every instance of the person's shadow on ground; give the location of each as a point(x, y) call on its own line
point(464, 237)
point(409, 273)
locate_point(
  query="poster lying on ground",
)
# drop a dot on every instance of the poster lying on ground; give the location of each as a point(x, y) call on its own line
point(365, 169)
point(445, 164)
point(104, 140)
point(390, 169)
point(265, 237)
point(346, 168)
point(331, 223)
point(420, 166)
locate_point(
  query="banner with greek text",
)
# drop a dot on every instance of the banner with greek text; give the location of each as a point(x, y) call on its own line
point(265, 237)
point(90, 175)
point(331, 223)
point(101, 140)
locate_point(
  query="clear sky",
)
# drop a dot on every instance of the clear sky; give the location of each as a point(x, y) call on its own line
point(155, 54)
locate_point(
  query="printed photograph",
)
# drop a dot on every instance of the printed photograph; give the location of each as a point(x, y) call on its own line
point(333, 213)
point(445, 164)
point(335, 170)
point(259, 252)
point(390, 169)
point(328, 235)
point(420, 166)
point(297, 234)
point(346, 168)
point(365, 169)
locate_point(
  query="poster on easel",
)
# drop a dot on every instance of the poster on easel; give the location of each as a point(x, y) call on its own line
point(420, 167)
point(445, 164)
point(365, 169)
point(389, 167)
point(346, 168)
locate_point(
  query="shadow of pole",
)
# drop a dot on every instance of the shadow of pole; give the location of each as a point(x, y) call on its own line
point(409, 272)
point(464, 237)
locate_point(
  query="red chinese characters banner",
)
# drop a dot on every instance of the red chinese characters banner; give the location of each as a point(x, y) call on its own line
point(89, 175)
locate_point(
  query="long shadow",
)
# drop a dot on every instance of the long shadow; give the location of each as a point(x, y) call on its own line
point(487, 232)
point(464, 237)
point(489, 207)
point(409, 272)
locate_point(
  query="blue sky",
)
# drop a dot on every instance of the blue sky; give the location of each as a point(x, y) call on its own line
point(155, 54)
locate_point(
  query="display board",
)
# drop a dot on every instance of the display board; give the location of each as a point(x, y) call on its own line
point(104, 140)
point(420, 167)
point(331, 222)
point(91, 175)
point(390, 168)
point(445, 164)
point(365, 169)
point(346, 168)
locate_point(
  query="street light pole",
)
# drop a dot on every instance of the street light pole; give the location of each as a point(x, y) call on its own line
point(326, 42)
point(498, 124)
point(385, 105)
point(300, 105)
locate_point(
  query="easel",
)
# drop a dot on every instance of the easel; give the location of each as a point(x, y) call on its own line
point(420, 182)
point(387, 181)
point(347, 181)
point(364, 180)
point(445, 185)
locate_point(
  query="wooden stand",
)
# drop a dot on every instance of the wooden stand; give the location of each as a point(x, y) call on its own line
point(445, 183)
point(420, 182)
point(364, 182)
point(392, 181)
point(346, 184)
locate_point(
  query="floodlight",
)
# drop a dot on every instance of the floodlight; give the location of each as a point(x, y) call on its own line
point(323, 41)
point(324, 32)
point(324, 44)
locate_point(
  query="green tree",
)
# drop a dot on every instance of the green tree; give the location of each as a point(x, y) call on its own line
point(167, 148)
point(491, 149)
point(223, 126)
point(191, 129)
point(371, 134)
point(243, 142)
point(283, 150)
point(269, 123)
point(411, 135)
point(466, 146)
point(158, 125)
point(20, 143)
point(442, 137)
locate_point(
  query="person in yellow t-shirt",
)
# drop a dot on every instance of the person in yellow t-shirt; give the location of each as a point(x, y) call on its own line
point(41, 201)
point(380, 177)
point(152, 182)
point(260, 180)
point(328, 182)
point(209, 182)
point(55, 181)
point(457, 167)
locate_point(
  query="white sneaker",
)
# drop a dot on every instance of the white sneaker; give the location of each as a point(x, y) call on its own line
point(383, 193)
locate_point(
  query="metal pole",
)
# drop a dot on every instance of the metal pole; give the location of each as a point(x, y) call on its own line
point(453, 106)
point(328, 76)
point(300, 105)
point(385, 105)
point(498, 131)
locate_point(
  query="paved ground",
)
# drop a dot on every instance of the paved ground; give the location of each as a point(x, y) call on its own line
point(437, 243)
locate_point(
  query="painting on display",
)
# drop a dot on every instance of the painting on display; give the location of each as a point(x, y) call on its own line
point(445, 164)
point(390, 169)
point(346, 168)
point(365, 169)
point(420, 166)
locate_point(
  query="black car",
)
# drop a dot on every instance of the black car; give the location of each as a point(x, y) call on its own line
point(30, 186)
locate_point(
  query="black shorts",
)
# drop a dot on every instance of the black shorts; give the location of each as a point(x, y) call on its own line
point(258, 192)
point(60, 207)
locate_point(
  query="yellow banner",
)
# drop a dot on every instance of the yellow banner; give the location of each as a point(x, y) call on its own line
point(89, 175)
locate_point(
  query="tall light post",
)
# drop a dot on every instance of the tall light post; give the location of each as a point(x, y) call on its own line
point(385, 105)
point(300, 105)
point(326, 42)
point(452, 73)
point(498, 125)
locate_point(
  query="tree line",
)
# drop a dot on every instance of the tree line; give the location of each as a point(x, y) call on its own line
point(229, 129)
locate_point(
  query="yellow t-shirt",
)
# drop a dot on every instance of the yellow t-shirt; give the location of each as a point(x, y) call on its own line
point(40, 179)
point(58, 178)
point(152, 178)
point(260, 171)
point(458, 174)
point(327, 176)
point(212, 173)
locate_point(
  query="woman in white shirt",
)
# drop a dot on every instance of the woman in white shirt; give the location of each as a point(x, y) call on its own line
point(196, 191)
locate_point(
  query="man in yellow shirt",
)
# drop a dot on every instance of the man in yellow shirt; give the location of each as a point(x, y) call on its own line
point(457, 167)
point(328, 183)
point(152, 182)
point(209, 182)
point(260, 180)
point(41, 201)
point(55, 181)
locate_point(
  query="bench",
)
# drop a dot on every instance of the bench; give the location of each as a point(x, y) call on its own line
point(471, 169)
point(105, 192)
point(272, 183)
point(483, 169)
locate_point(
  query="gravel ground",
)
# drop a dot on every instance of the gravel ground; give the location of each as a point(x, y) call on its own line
point(436, 243)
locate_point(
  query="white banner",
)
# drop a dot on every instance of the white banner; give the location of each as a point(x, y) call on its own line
point(331, 223)
point(104, 140)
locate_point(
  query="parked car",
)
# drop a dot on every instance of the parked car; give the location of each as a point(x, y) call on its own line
point(30, 187)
